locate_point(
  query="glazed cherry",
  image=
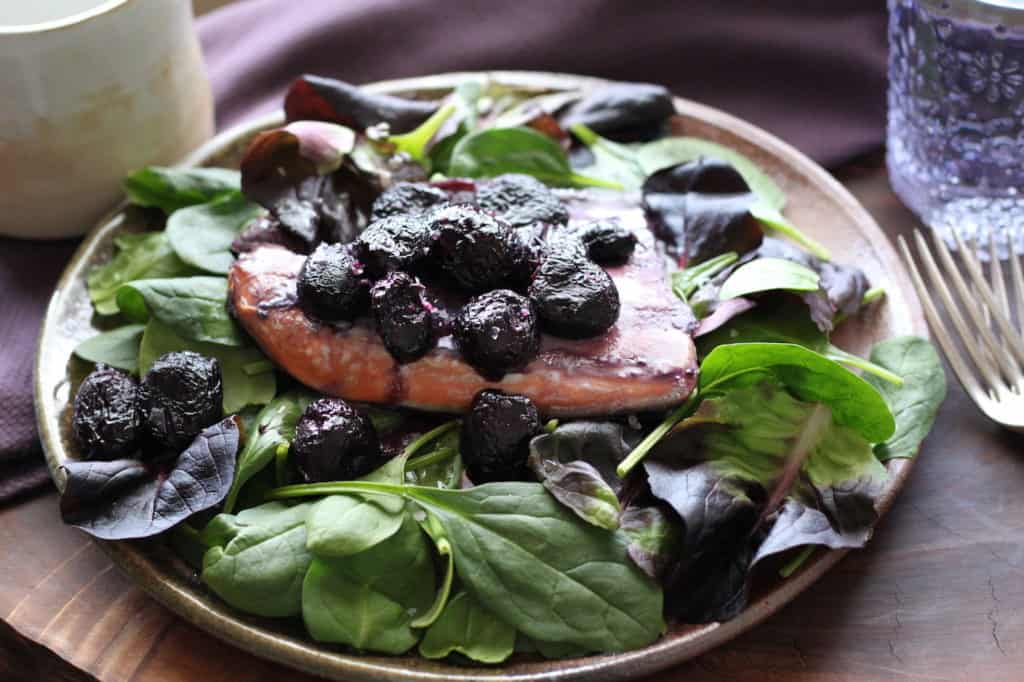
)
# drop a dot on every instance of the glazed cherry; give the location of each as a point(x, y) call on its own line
point(404, 320)
point(335, 442)
point(407, 198)
point(180, 395)
point(331, 286)
point(521, 201)
point(478, 251)
point(106, 419)
point(497, 332)
point(495, 438)
point(573, 296)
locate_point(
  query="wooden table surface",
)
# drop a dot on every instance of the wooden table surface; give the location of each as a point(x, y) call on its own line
point(937, 595)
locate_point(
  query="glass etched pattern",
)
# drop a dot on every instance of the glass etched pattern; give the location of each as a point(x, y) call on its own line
point(956, 115)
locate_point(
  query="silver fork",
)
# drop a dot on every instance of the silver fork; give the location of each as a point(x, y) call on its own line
point(988, 336)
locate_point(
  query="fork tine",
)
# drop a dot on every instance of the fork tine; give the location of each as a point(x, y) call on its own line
point(1014, 340)
point(949, 347)
point(997, 282)
point(967, 337)
point(1018, 283)
point(995, 275)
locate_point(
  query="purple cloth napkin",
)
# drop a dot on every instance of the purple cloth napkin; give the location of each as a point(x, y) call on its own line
point(811, 72)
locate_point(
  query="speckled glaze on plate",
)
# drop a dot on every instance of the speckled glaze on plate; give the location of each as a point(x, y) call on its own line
point(816, 202)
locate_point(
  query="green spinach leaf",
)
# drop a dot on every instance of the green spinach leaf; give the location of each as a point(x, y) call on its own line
point(914, 404)
point(274, 429)
point(343, 525)
point(172, 188)
point(612, 161)
point(811, 376)
point(248, 376)
point(766, 274)
point(140, 256)
point(466, 627)
point(509, 545)
point(195, 308)
point(787, 323)
point(117, 348)
point(258, 560)
point(496, 151)
point(509, 542)
point(201, 235)
point(369, 600)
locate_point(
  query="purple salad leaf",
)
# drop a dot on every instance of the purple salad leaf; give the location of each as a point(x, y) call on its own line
point(304, 175)
point(126, 498)
point(624, 112)
point(707, 581)
point(701, 209)
point(314, 98)
point(798, 525)
point(267, 230)
point(722, 312)
point(277, 160)
point(654, 538)
point(733, 471)
point(576, 463)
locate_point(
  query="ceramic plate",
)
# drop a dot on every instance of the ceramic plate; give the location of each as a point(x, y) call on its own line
point(816, 202)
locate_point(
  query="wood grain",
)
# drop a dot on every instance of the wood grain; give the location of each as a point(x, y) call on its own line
point(937, 595)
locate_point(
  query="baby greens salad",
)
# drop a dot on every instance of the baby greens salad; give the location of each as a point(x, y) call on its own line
point(588, 535)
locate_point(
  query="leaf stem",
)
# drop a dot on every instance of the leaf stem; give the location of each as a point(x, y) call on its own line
point(423, 461)
point(414, 143)
point(434, 612)
point(872, 295)
point(841, 356)
point(645, 446)
point(586, 181)
point(779, 223)
point(281, 463)
point(436, 432)
point(688, 280)
point(334, 488)
point(796, 562)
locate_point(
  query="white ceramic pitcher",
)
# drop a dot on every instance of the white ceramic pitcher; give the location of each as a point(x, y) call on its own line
point(91, 90)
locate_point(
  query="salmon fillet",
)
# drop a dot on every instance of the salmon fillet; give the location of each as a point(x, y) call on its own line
point(646, 361)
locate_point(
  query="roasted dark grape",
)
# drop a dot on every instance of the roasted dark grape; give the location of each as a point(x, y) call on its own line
point(403, 319)
point(331, 285)
point(180, 395)
point(608, 242)
point(573, 296)
point(521, 200)
point(398, 242)
point(497, 332)
point(478, 251)
point(407, 198)
point(496, 435)
point(106, 420)
point(334, 442)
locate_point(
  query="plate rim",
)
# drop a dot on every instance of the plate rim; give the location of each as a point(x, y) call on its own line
point(222, 622)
